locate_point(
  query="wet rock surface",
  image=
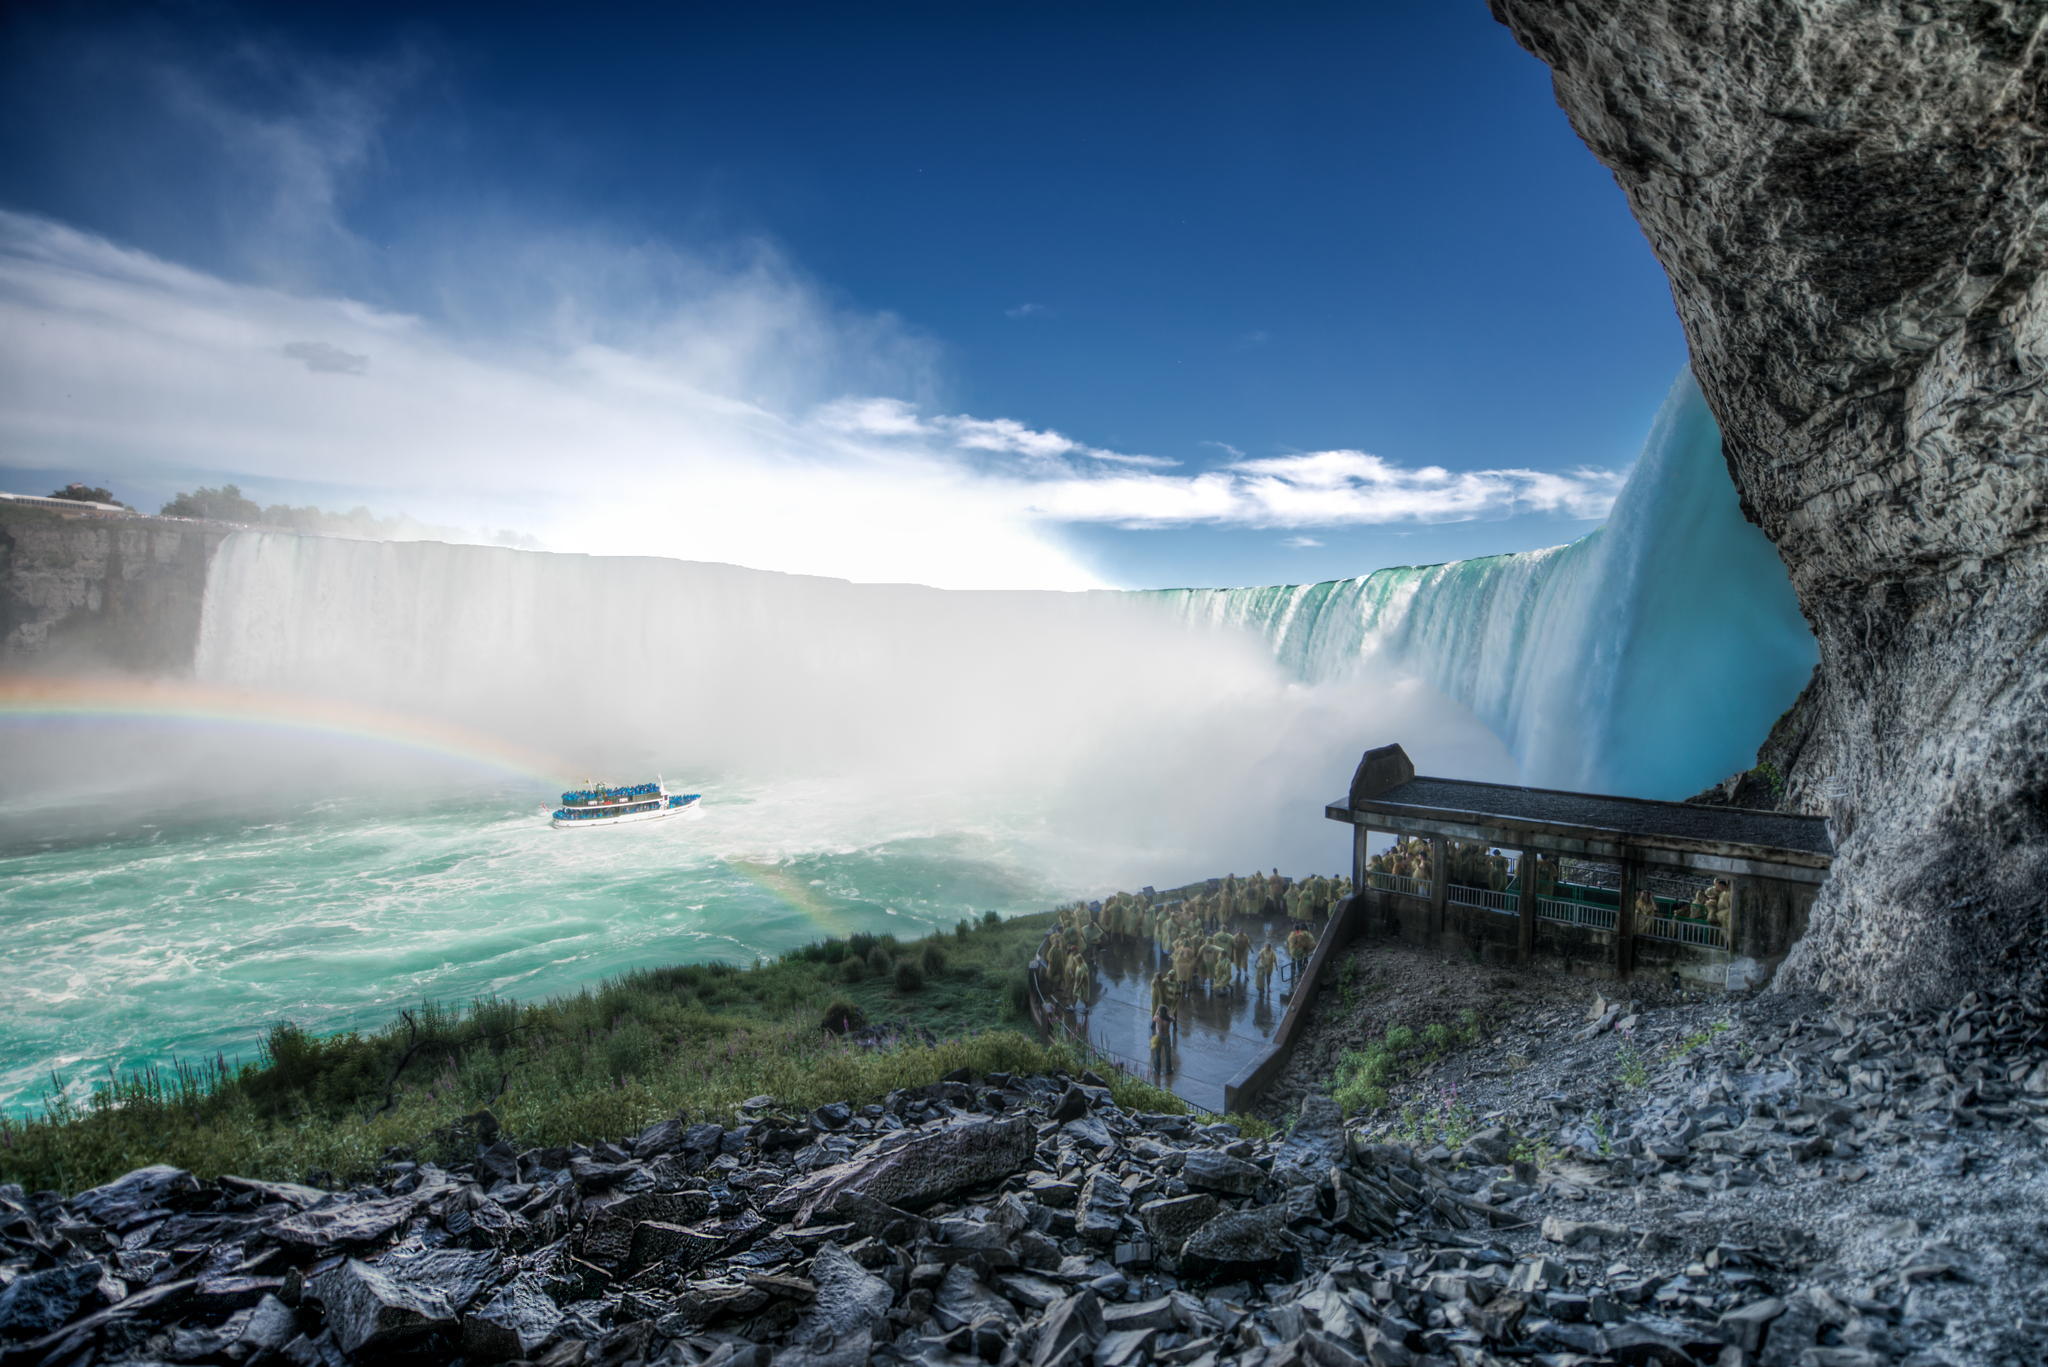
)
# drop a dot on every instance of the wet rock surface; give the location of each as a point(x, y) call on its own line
point(1696, 1220)
point(1847, 198)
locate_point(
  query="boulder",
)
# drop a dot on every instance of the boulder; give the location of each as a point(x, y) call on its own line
point(370, 1310)
point(1171, 1220)
point(1257, 1235)
point(1315, 1144)
point(920, 1167)
point(1212, 1170)
point(270, 1326)
point(679, 1246)
point(145, 1188)
point(346, 1223)
point(1577, 1233)
point(1068, 1334)
point(962, 1299)
point(1100, 1213)
point(848, 1302)
point(458, 1274)
point(515, 1323)
point(274, 1193)
point(1746, 1325)
point(39, 1302)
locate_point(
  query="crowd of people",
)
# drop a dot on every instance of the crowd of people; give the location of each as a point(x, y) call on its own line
point(600, 793)
point(1712, 903)
point(1196, 938)
point(1478, 866)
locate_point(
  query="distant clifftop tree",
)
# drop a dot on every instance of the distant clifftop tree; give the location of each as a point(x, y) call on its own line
point(224, 504)
point(86, 493)
point(228, 504)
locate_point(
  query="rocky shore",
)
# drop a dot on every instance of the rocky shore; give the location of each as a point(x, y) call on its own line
point(1792, 1190)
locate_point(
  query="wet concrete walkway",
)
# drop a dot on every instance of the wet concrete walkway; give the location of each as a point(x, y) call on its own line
point(1221, 1029)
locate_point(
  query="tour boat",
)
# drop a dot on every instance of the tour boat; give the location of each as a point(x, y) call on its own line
point(600, 805)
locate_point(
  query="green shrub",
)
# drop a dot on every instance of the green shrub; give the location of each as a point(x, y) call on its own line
point(909, 977)
point(841, 1017)
point(854, 968)
point(879, 962)
point(629, 1052)
point(1018, 993)
point(933, 959)
point(991, 920)
point(1363, 1077)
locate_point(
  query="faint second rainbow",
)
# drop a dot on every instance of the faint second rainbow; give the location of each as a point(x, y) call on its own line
point(31, 698)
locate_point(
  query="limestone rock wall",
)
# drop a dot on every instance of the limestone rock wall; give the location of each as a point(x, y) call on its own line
point(1851, 200)
point(94, 594)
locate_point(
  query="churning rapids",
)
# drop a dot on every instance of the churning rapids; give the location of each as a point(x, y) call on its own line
point(884, 758)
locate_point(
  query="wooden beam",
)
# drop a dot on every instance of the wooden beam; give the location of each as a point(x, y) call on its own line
point(1526, 906)
point(1439, 884)
point(1624, 920)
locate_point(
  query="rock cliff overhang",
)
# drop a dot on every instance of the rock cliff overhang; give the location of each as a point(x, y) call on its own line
point(1849, 202)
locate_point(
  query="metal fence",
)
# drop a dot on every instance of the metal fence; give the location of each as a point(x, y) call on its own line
point(1394, 882)
point(1576, 913)
point(1486, 899)
point(1700, 933)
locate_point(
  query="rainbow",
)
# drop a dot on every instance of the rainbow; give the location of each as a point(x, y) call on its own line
point(32, 699)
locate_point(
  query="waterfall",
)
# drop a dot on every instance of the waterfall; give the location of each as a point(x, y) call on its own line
point(1649, 657)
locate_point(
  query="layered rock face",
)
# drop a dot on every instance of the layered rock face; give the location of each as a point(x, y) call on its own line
point(101, 594)
point(1852, 203)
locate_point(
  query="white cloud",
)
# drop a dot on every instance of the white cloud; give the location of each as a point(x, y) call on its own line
point(1025, 311)
point(1300, 542)
point(1323, 489)
point(689, 433)
point(876, 417)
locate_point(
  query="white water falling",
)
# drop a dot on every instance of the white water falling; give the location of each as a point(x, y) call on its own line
point(1092, 726)
point(1649, 657)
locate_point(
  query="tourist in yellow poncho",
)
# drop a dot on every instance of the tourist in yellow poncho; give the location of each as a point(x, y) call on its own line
point(1300, 944)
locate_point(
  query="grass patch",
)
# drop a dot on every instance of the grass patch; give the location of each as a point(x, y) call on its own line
point(602, 1063)
point(1364, 1076)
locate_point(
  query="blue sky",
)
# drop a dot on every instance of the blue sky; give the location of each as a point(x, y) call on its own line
point(985, 294)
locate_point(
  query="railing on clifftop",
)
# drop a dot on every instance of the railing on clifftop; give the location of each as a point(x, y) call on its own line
point(1576, 913)
point(1394, 882)
point(1485, 899)
point(1685, 932)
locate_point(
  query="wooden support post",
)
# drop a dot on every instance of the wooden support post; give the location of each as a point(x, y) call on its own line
point(1525, 948)
point(1358, 858)
point(1624, 920)
point(1439, 883)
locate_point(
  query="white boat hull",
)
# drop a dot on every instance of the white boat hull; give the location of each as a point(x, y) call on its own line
point(583, 823)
